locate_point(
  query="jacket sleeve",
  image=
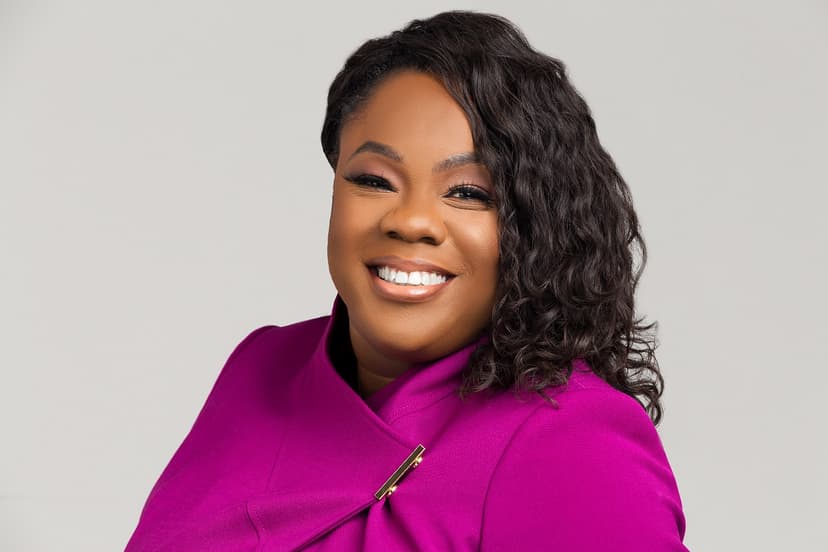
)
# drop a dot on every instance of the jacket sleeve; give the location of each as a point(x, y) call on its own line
point(591, 475)
point(185, 450)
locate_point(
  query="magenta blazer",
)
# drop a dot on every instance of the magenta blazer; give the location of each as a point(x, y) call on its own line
point(284, 455)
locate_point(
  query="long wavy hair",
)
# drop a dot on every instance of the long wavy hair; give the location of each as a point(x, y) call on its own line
point(568, 230)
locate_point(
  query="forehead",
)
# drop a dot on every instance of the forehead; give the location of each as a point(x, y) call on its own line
point(414, 113)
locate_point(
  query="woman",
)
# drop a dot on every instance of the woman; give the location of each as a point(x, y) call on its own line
point(481, 382)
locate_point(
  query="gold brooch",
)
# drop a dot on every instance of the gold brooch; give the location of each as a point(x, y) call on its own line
point(411, 462)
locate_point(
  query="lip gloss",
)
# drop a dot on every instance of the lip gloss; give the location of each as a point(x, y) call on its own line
point(402, 292)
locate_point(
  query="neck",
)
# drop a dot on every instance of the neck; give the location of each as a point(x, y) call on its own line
point(369, 382)
point(374, 370)
point(369, 371)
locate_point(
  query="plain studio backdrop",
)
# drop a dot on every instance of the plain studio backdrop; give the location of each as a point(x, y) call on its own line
point(163, 192)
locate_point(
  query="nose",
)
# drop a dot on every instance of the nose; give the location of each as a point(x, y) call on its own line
point(415, 218)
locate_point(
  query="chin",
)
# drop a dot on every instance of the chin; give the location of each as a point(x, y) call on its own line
point(407, 347)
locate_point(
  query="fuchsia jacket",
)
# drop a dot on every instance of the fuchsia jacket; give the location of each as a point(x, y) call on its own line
point(284, 455)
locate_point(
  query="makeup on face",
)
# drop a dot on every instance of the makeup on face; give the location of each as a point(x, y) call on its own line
point(409, 280)
point(413, 235)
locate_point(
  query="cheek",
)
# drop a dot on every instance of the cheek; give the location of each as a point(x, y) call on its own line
point(337, 238)
point(349, 230)
point(481, 243)
point(348, 224)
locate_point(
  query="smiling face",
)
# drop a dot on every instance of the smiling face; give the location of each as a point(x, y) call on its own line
point(413, 236)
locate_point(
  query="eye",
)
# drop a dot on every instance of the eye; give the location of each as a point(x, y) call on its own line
point(469, 191)
point(370, 181)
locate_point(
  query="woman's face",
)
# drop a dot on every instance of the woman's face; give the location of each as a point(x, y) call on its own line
point(411, 206)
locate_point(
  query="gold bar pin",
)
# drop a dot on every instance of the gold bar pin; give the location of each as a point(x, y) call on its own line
point(411, 462)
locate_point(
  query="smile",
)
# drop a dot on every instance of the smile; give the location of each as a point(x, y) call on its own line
point(412, 286)
point(403, 278)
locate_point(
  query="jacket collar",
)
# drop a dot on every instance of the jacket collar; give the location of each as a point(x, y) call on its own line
point(420, 386)
point(338, 451)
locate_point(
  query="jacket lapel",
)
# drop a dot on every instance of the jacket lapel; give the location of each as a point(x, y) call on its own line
point(336, 454)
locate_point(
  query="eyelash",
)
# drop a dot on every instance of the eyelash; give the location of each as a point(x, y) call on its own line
point(371, 181)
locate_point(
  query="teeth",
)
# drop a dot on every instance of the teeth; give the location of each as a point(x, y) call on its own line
point(409, 278)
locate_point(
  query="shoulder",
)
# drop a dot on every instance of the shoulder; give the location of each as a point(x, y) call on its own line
point(296, 334)
point(268, 350)
point(590, 474)
point(589, 407)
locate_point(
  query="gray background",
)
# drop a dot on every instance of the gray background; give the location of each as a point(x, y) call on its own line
point(163, 192)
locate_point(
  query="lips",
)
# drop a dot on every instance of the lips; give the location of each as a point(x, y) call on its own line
point(408, 265)
point(406, 293)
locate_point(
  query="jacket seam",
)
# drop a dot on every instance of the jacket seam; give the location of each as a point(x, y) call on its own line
point(506, 448)
point(512, 439)
point(277, 453)
point(420, 408)
point(242, 345)
point(259, 540)
point(245, 344)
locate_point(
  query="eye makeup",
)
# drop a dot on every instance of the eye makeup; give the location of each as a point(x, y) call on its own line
point(464, 190)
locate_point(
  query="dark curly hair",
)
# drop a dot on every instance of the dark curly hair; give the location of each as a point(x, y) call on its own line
point(568, 230)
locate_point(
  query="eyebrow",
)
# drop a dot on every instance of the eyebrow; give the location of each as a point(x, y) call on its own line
point(458, 160)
